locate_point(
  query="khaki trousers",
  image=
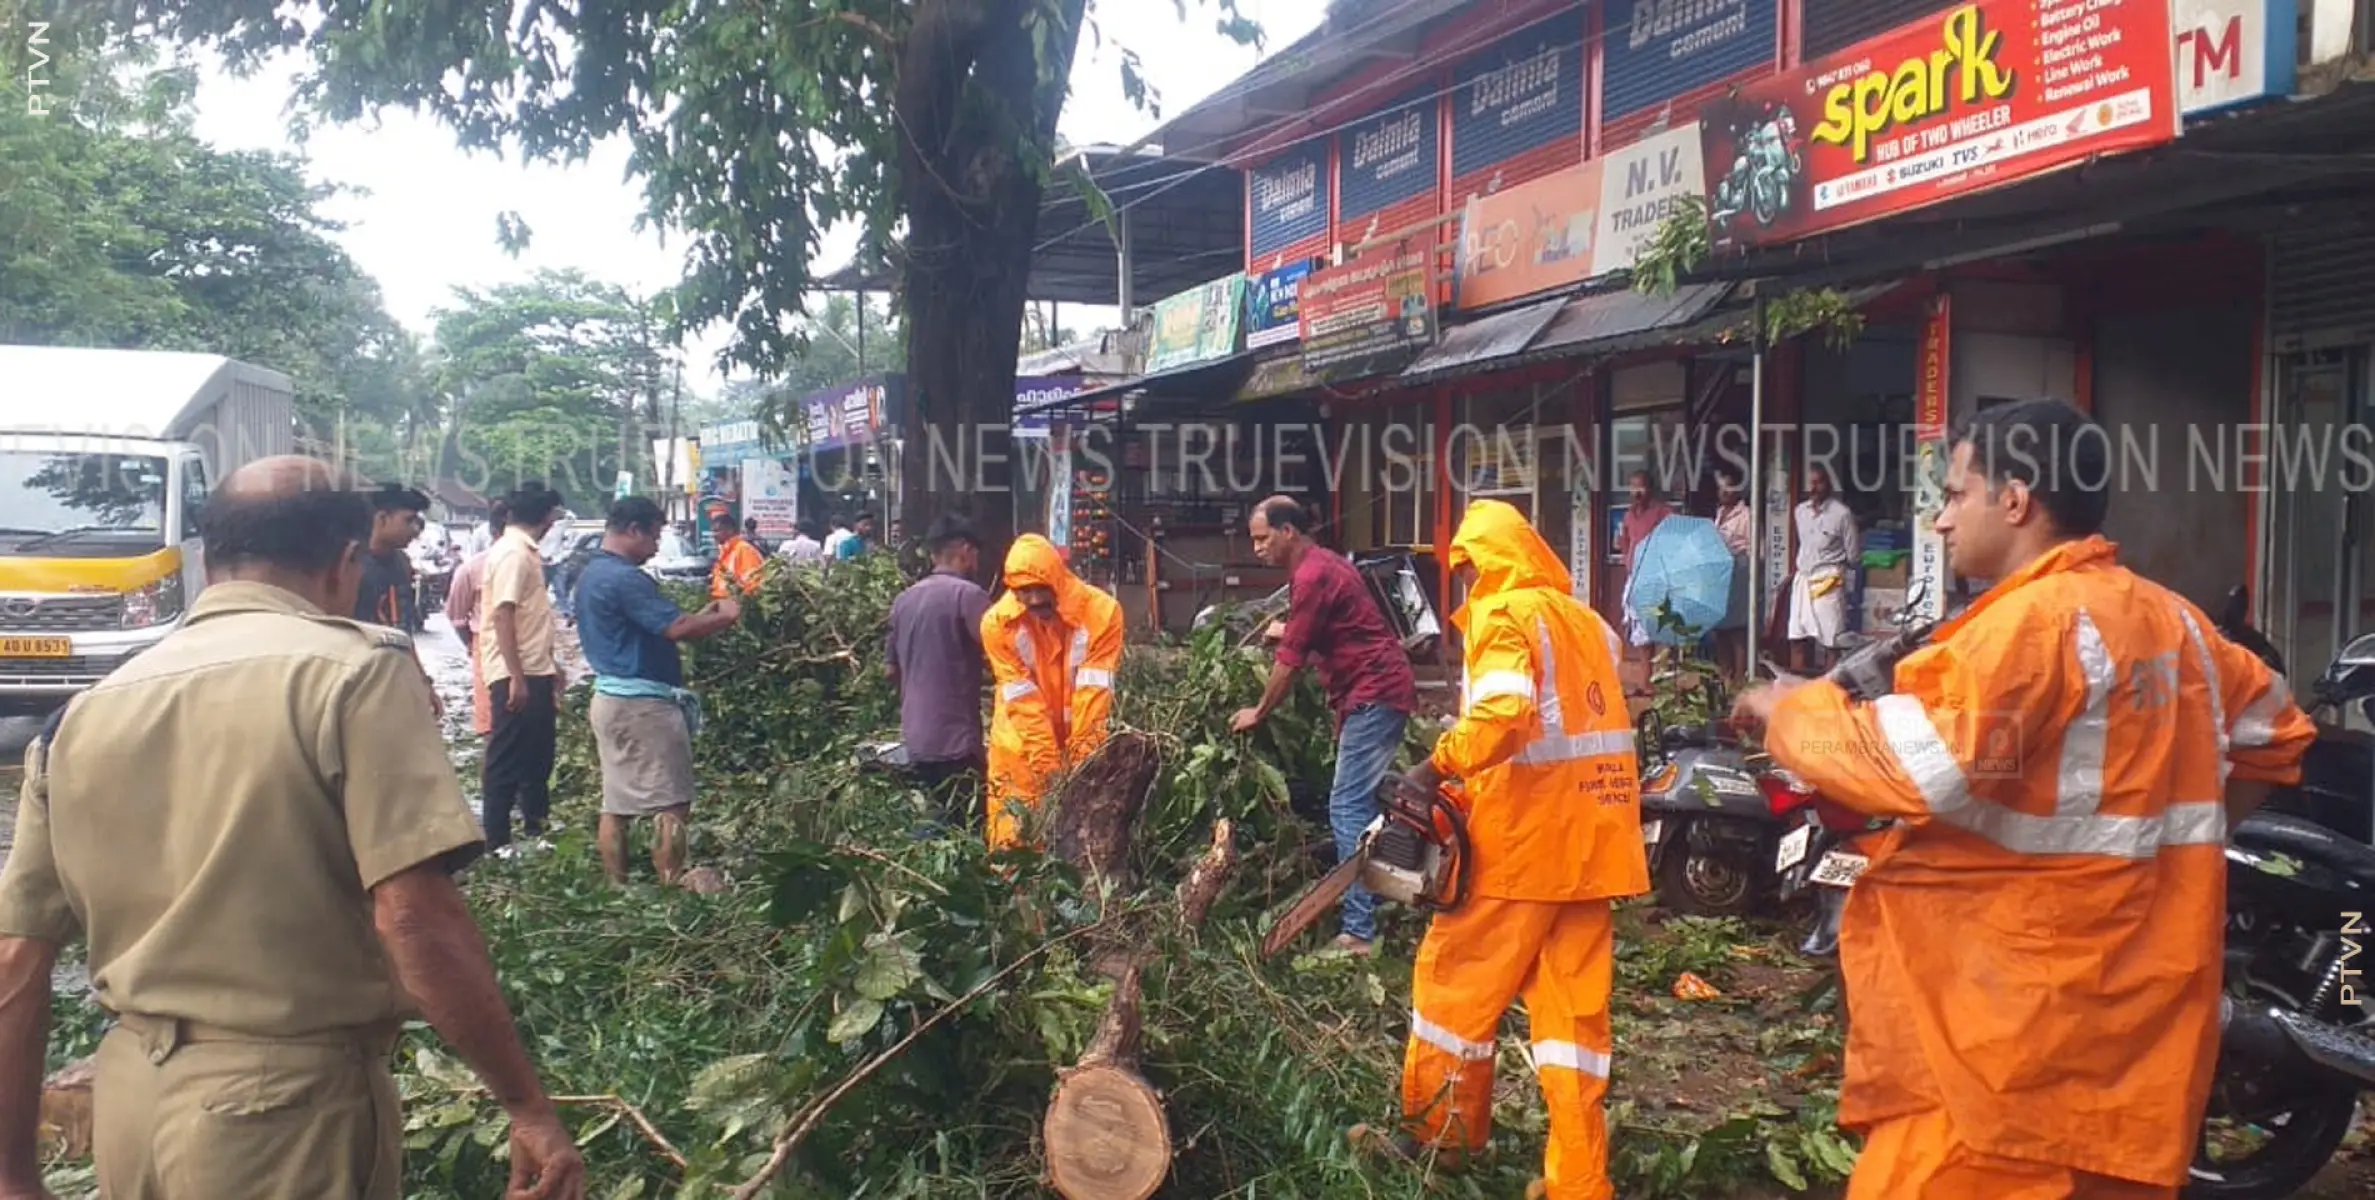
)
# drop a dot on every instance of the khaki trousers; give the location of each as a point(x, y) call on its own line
point(184, 1112)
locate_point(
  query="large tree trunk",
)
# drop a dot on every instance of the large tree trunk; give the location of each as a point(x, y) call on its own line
point(974, 104)
point(1106, 1134)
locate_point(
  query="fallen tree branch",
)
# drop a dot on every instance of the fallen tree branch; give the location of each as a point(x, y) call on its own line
point(651, 1133)
point(617, 1104)
point(801, 1124)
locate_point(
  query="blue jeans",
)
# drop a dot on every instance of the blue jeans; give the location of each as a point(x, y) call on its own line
point(1364, 752)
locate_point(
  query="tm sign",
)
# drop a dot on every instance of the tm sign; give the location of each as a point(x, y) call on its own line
point(2232, 52)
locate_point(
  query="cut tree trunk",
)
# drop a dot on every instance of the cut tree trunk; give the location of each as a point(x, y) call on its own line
point(66, 1111)
point(1107, 1137)
point(1095, 812)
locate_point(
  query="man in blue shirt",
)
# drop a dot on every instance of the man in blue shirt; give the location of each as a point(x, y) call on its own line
point(643, 717)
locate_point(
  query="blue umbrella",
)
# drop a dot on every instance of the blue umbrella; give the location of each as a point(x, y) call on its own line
point(1685, 565)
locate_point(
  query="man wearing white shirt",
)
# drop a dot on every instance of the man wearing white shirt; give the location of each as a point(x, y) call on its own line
point(841, 533)
point(1828, 546)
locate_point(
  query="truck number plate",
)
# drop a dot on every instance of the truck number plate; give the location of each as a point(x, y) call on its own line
point(1649, 832)
point(1840, 869)
point(1793, 847)
point(36, 647)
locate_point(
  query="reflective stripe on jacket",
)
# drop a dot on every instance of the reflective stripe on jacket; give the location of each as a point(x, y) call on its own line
point(2035, 949)
point(1544, 743)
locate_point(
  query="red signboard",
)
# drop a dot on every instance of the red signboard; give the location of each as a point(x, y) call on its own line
point(1977, 96)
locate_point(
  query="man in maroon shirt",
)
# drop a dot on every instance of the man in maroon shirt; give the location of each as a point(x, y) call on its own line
point(1334, 625)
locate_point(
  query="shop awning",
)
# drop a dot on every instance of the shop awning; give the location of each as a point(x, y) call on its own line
point(1597, 322)
point(1277, 375)
point(1215, 380)
point(1484, 340)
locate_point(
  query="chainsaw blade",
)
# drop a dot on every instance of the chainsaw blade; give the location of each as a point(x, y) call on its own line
point(1314, 904)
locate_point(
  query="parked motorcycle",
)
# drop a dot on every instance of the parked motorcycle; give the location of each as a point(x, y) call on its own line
point(1712, 813)
point(2337, 788)
point(2297, 1043)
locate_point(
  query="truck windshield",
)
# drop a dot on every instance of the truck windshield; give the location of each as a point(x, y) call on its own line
point(80, 504)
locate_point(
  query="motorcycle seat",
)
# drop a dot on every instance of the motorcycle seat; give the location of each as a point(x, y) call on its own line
point(2309, 841)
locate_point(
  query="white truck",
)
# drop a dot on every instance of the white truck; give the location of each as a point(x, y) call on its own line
point(106, 456)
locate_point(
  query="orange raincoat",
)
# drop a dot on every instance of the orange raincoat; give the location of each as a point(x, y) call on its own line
point(2032, 960)
point(1054, 682)
point(1544, 747)
point(738, 567)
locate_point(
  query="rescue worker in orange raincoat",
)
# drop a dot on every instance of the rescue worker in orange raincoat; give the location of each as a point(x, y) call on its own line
point(1053, 644)
point(739, 564)
point(2032, 959)
point(1551, 792)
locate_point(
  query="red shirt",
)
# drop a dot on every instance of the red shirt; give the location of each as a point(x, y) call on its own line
point(1335, 626)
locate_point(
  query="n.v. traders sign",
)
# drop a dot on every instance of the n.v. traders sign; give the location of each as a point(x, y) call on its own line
point(1981, 95)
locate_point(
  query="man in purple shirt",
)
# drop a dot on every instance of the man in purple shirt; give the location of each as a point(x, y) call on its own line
point(1334, 625)
point(937, 664)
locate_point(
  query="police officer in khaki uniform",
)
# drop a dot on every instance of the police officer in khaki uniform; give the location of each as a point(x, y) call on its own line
point(255, 826)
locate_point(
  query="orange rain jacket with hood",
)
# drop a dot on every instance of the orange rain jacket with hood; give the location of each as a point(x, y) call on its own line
point(1544, 742)
point(1551, 790)
point(1054, 681)
point(2034, 951)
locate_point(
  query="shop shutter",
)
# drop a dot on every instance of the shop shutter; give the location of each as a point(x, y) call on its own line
point(2322, 283)
point(1830, 26)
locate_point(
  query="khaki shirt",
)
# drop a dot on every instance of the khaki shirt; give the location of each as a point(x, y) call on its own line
point(515, 575)
point(214, 814)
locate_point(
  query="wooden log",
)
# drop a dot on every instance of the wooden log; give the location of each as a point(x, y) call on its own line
point(1107, 1137)
point(1094, 814)
point(66, 1111)
point(1106, 1133)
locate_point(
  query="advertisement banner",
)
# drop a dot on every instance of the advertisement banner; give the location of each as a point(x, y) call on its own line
point(2232, 52)
point(1981, 95)
point(1926, 579)
point(771, 495)
point(1658, 49)
point(1581, 223)
point(1197, 325)
point(1369, 316)
point(846, 415)
point(1270, 314)
point(1038, 392)
point(1580, 567)
point(1523, 94)
point(1287, 199)
point(1387, 159)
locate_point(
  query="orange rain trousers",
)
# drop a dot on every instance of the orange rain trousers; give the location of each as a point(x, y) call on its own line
point(1561, 956)
point(1920, 1158)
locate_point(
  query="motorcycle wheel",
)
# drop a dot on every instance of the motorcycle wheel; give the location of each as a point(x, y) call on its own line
point(2305, 1121)
point(1766, 203)
point(1705, 883)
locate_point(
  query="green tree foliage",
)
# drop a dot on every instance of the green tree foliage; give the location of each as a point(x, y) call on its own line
point(560, 379)
point(754, 128)
point(119, 227)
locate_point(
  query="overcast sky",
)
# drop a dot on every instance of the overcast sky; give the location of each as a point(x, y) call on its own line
point(427, 222)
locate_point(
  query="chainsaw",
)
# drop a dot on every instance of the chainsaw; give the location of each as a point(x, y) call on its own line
point(1415, 853)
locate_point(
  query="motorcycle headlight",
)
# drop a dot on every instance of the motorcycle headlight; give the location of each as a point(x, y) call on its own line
point(155, 604)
